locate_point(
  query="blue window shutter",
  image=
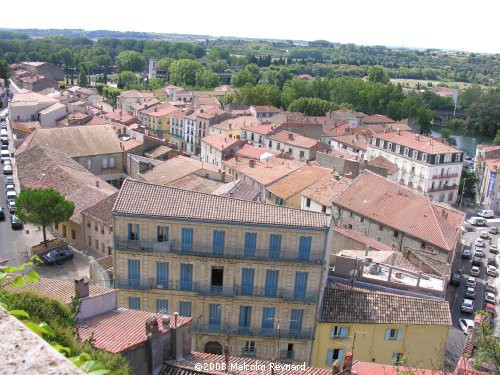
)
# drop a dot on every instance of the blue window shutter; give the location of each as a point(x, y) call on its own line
point(387, 334)
point(344, 332)
point(166, 234)
point(268, 318)
point(304, 248)
point(245, 316)
point(137, 232)
point(274, 246)
point(215, 313)
point(162, 274)
point(341, 354)
point(332, 334)
point(129, 236)
point(185, 308)
point(134, 272)
point(134, 303)
point(187, 239)
point(242, 316)
point(250, 244)
point(271, 288)
point(300, 287)
point(162, 305)
point(296, 320)
point(329, 357)
point(218, 242)
point(186, 276)
point(247, 280)
point(400, 334)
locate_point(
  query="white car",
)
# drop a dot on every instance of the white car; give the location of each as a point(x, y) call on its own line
point(478, 252)
point(486, 213)
point(10, 187)
point(465, 324)
point(479, 242)
point(7, 169)
point(467, 306)
point(491, 271)
point(489, 297)
point(475, 271)
point(471, 282)
point(484, 234)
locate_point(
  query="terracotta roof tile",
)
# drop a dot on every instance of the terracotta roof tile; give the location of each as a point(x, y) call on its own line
point(102, 210)
point(220, 142)
point(327, 187)
point(381, 162)
point(377, 119)
point(367, 368)
point(294, 139)
point(298, 181)
point(398, 207)
point(173, 169)
point(418, 142)
point(140, 198)
point(350, 306)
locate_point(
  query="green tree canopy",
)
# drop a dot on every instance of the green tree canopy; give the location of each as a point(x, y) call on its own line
point(164, 64)
point(242, 78)
point(82, 78)
point(43, 207)
point(127, 78)
point(377, 74)
point(311, 106)
point(191, 73)
point(130, 60)
point(496, 140)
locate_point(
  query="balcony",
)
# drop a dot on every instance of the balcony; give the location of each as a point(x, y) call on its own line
point(287, 355)
point(443, 188)
point(148, 284)
point(445, 175)
point(303, 334)
point(226, 252)
point(287, 295)
point(133, 284)
point(208, 290)
point(249, 352)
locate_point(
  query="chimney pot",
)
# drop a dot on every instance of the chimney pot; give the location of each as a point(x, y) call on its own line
point(97, 184)
point(82, 287)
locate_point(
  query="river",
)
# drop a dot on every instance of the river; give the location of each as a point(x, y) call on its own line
point(467, 140)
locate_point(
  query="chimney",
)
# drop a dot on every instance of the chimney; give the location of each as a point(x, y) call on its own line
point(430, 142)
point(177, 340)
point(399, 132)
point(97, 184)
point(165, 322)
point(290, 136)
point(82, 287)
point(251, 163)
point(347, 363)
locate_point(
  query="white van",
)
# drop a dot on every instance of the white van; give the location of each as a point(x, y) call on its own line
point(475, 220)
point(486, 213)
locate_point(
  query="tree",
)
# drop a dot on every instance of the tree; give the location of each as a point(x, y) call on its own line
point(130, 60)
point(183, 72)
point(470, 179)
point(377, 74)
point(311, 106)
point(496, 141)
point(207, 79)
point(457, 123)
point(487, 346)
point(164, 64)
point(43, 207)
point(82, 78)
point(243, 78)
point(126, 78)
point(5, 72)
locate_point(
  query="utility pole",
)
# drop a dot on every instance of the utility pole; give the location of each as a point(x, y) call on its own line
point(353, 342)
point(462, 196)
point(279, 320)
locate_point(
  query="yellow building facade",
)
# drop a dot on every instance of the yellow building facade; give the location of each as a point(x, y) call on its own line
point(250, 284)
point(392, 331)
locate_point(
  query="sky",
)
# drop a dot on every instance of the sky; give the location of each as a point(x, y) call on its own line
point(458, 25)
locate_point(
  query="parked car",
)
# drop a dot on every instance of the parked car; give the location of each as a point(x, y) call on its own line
point(479, 242)
point(489, 297)
point(465, 324)
point(15, 223)
point(493, 230)
point(471, 282)
point(467, 227)
point(466, 254)
point(2, 213)
point(57, 256)
point(4, 155)
point(479, 253)
point(7, 169)
point(4, 139)
point(467, 306)
point(490, 308)
point(470, 293)
point(476, 261)
point(455, 279)
point(492, 262)
point(484, 234)
point(9, 180)
point(12, 207)
point(490, 288)
point(475, 271)
point(491, 271)
point(478, 221)
point(10, 187)
point(486, 213)
point(493, 249)
point(11, 196)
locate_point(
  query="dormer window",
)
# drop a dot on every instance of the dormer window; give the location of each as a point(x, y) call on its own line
point(381, 144)
point(398, 149)
point(415, 154)
point(424, 158)
point(374, 141)
point(389, 146)
point(406, 151)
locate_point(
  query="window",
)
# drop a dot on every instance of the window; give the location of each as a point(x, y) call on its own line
point(361, 219)
point(103, 247)
point(374, 141)
point(340, 332)
point(89, 164)
point(185, 308)
point(308, 202)
point(296, 320)
point(379, 239)
point(89, 240)
point(351, 214)
point(250, 244)
point(304, 248)
point(134, 303)
point(133, 232)
point(97, 244)
point(447, 158)
point(381, 228)
point(268, 314)
point(109, 250)
point(105, 163)
point(393, 334)
point(269, 194)
point(162, 275)
point(73, 233)
point(397, 358)
point(186, 276)
point(406, 151)
point(95, 227)
point(88, 224)
point(161, 234)
point(218, 242)
point(64, 230)
point(424, 158)
point(215, 315)
point(134, 272)
point(389, 146)
point(274, 246)
point(300, 285)
point(161, 305)
point(381, 145)
point(247, 278)
point(270, 144)
point(271, 288)
point(333, 355)
point(245, 318)
point(301, 155)
point(249, 348)
point(217, 279)
point(102, 229)
point(415, 154)
point(423, 245)
point(187, 239)
point(398, 149)
point(323, 209)
point(279, 201)
point(349, 226)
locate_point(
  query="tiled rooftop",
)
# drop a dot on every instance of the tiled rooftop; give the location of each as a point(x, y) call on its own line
point(298, 181)
point(253, 152)
point(398, 207)
point(121, 329)
point(367, 368)
point(377, 119)
point(294, 139)
point(192, 182)
point(102, 210)
point(139, 198)
point(350, 306)
point(418, 142)
point(381, 162)
point(325, 188)
point(173, 169)
point(220, 142)
point(85, 197)
point(265, 172)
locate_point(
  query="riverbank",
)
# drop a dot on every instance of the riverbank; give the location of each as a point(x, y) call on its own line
point(467, 140)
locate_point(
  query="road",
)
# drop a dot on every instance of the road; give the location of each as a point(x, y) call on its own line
point(12, 242)
point(455, 294)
